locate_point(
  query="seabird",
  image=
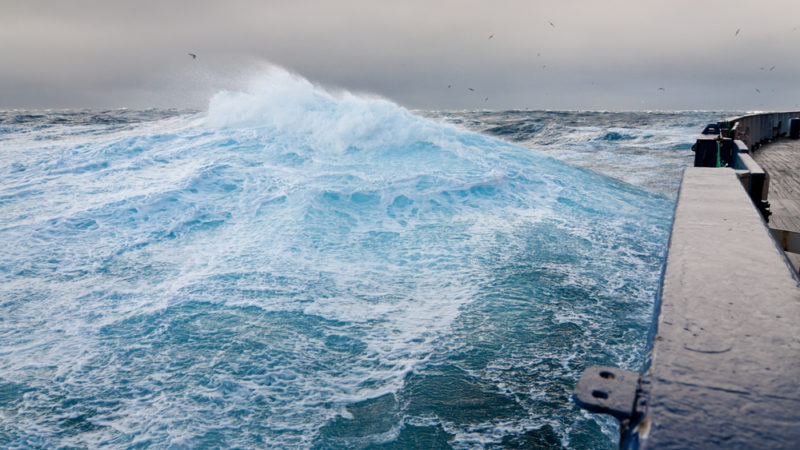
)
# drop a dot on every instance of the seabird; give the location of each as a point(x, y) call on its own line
point(661, 89)
point(473, 90)
point(193, 55)
point(737, 32)
point(758, 90)
point(551, 24)
point(486, 99)
point(491, 36)
point(772, 68)
point(448, 86)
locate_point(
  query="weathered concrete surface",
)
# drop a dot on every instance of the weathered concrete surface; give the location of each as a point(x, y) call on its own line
point(725, 369)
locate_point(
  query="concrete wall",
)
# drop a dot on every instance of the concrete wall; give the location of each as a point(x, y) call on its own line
point(725, 355)
point(724, 359)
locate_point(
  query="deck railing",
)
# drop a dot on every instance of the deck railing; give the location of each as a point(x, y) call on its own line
point(755, 129)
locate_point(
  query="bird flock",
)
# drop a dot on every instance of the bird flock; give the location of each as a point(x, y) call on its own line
point(491, 36)
point(762, 68)
point(660, 90)
point(544, 66)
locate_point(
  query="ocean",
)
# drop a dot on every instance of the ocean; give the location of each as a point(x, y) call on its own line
point(299, 268)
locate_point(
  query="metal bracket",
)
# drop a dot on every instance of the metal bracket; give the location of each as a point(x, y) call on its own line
point(607, 390)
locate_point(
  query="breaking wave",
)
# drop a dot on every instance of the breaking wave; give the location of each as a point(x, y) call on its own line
point(296, 267)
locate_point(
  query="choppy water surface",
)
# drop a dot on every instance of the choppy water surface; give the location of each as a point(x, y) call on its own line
point(293, 268)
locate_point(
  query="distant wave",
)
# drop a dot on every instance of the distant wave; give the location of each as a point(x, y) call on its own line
point(647, 150)
point(615, 136)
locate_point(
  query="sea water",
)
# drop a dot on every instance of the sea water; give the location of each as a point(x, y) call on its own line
point(296, 268)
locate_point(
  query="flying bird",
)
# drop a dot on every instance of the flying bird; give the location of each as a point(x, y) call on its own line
point(491, 36)
point(193, 55)
point(758, 90)
point(737, 32)
point(449, 86)
point(473, 90)
point(551, 24)
point(661, 89)
point(772, 68)
point(486, 99)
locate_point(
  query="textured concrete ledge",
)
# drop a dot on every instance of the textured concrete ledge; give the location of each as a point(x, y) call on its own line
point(725, 361)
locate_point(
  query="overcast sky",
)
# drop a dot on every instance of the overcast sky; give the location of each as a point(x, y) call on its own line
point(606, 55)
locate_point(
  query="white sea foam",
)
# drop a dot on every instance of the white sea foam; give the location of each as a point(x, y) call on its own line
point(259, 269)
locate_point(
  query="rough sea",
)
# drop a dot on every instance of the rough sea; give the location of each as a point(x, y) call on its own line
point(300, 268)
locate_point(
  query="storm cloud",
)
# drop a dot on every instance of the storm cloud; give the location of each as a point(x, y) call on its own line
point(595, 55)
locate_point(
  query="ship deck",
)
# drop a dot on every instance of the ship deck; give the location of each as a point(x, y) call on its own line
point(781, 159)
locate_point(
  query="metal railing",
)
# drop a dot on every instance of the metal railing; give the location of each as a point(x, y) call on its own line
point(754, 129)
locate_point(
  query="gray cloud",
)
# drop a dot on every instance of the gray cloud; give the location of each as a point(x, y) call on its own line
point(600, 55)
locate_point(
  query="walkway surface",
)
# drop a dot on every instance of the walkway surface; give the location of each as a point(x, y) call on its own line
point(725, 367)
point(781, 160)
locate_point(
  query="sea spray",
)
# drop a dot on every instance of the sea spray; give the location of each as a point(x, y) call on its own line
point(295, 268)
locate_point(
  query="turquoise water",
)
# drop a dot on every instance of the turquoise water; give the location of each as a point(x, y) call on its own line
point(298, 268)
